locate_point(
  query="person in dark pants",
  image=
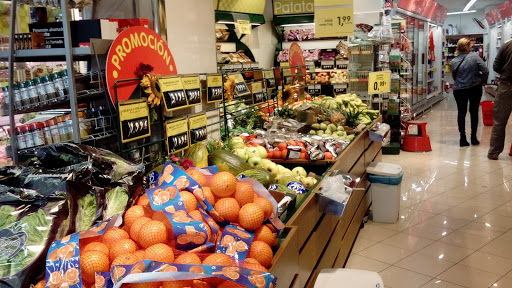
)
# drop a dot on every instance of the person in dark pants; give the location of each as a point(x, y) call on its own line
point(469, 73)
point(503, 102)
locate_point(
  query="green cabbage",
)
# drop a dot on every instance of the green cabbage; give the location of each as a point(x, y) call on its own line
point(117, 199)
point(86, 212)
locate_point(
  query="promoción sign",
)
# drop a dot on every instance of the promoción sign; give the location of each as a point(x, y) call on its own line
point(132, 47)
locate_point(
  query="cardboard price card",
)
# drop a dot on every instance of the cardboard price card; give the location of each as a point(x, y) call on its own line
point(340, 88)
point(177, 135)
point(197, 125)
point(134, 120)
point(257, 93)
point(334, 18)
point(270, 79)
point(240, 85)
point(192, 86)
point(174, 94)
point(215, 90)
point(379, 82)
point(244, 26)
point(315, 89)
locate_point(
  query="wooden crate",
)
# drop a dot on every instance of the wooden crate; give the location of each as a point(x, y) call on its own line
point(285, 264)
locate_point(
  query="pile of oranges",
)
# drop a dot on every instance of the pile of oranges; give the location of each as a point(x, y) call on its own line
point(148, 235)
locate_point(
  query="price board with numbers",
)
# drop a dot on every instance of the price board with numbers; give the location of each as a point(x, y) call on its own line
point(379, 82)
point(174, 95)
point(177, 135)
point(134, 120)
point(197, 126)
point(257, 93)
point(340, 88)
point(215, 90)
point(192, 86)
point(327, 64)
point(342, 64)
point(270, 79)
point(241, 88)
point(334, 19)
point(315, 89)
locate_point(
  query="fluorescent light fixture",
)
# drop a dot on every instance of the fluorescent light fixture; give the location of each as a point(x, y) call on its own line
point(298, 24)
point(470, 4)
point(461, 12)
point(228, 22)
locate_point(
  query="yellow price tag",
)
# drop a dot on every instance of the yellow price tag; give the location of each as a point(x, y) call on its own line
point(334, 22)
point(257, 87)
point(134, 120)
point(379, 82)
point(244, 26)
point(284, 64)
point(177, 135)
point(287, 72)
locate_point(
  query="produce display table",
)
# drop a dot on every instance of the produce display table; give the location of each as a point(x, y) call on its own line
point(316, 241)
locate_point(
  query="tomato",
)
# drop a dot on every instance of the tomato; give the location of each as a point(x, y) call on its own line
point(282, 146)
point(293, 143)
point(284, 153)
point(328, 156)
point(303, 155)
point(270, 154)
point(301, 144)
point(276, 154)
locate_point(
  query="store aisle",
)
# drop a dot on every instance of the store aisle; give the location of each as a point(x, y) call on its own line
point(455, 226)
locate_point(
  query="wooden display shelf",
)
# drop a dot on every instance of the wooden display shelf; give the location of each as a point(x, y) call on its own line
point(316, 241)
point(301, 161)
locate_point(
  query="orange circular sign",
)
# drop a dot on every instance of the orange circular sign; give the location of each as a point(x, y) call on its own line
point(296, 59)
point(132, 47)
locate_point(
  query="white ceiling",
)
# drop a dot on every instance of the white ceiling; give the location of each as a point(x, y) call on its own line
point(458, 5)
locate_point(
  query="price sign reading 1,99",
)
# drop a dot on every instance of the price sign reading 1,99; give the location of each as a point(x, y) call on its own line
point(334, 22)
point(379, 82)
point(215, 89)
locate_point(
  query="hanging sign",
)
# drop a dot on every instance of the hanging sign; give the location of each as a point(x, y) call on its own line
point(197, 125)
point(215, 90)
point(505, 10)
point(241, 88)
point(334, 18)
point(257, 93)
point(132, 47)
point(270, 79)
point(177, 135)
point(174, 95)
point(192, 86)
point(379, 82)
point(244, 26)
point(134, 120)
point(414, 6)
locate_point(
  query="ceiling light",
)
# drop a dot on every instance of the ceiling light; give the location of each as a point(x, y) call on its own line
point(229, 22)
point(470, 4)
point(461, 12)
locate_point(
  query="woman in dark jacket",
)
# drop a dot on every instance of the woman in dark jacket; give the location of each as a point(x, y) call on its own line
point(469, 73)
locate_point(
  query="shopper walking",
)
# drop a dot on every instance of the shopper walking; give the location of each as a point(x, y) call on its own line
point(469, 73)
point(503, 102)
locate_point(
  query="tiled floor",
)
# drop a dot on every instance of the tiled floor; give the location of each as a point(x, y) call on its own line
point(455, 225)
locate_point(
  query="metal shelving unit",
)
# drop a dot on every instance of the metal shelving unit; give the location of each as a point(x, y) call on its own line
point(67, 54)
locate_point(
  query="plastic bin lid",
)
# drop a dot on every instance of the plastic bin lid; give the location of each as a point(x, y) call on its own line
point(384, 169)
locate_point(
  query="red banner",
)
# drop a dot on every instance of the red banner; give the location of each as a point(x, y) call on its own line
point(414, 6)
point(505, 10)
point(440, 14)
point(495, 15)
point(430, 9)
point(489, 18)
point(132, 47)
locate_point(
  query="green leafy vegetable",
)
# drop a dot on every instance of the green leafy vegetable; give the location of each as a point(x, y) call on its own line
point(6, 216)
point(86, 212)
point(117, 199)
point(37, 227)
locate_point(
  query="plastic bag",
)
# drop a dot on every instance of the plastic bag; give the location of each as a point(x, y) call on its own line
point(334, 198)
point(29, 222)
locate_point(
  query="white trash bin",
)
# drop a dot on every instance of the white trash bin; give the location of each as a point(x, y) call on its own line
point(385, 189)
point(348, 278)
